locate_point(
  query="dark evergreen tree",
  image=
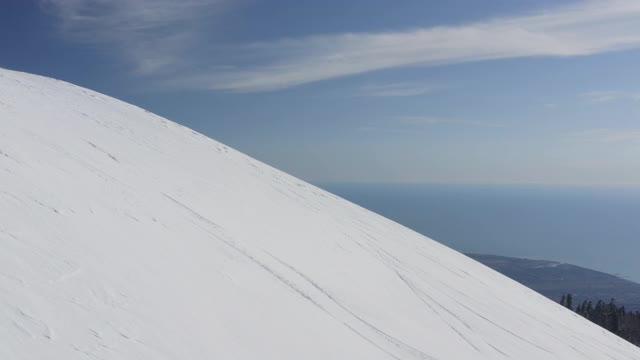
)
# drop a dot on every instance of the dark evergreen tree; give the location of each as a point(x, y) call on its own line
point(608, 315)
point(569, 301)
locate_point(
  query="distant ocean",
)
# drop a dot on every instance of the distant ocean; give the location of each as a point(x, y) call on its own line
point(598, 228)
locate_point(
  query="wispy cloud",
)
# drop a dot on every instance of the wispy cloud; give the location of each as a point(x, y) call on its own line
point(411, 124)
point(418, 121)
point(587, 28)
point(394, 90)
point(607, 96)
point(608, 135)
point(154, 36)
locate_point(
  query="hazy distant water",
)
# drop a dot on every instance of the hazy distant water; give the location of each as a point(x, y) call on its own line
point(597, 228)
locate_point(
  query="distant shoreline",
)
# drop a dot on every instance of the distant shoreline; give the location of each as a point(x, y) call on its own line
point(555, 222)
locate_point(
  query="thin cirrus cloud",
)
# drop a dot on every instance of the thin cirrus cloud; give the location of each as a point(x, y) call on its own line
point(587, 28)
point(606, 135)
point(411, 124)
point(590, 27)
point(394, 90)
point(607, 96)
point(421, 121)
point(151, 35)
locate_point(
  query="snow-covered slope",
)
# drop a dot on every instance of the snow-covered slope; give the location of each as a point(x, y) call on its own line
point(126, 236)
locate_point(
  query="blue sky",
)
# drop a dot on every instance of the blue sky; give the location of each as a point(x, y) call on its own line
point(493, 91)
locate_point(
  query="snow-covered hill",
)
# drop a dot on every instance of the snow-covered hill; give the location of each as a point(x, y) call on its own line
point(126, 236)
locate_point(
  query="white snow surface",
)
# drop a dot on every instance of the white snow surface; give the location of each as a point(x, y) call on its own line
point(126, 236)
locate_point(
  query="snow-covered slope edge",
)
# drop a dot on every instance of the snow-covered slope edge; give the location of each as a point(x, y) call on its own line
point(126, 236)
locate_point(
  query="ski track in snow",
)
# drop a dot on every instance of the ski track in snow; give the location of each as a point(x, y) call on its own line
point(126, 236)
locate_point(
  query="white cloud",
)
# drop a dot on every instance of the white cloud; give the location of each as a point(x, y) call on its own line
point(394, 90)
point(411, 124)
point(608, 135)
point(156, 36)
point(418, 121)
point(587, 28)
point(606, 96)
point(153, 35)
